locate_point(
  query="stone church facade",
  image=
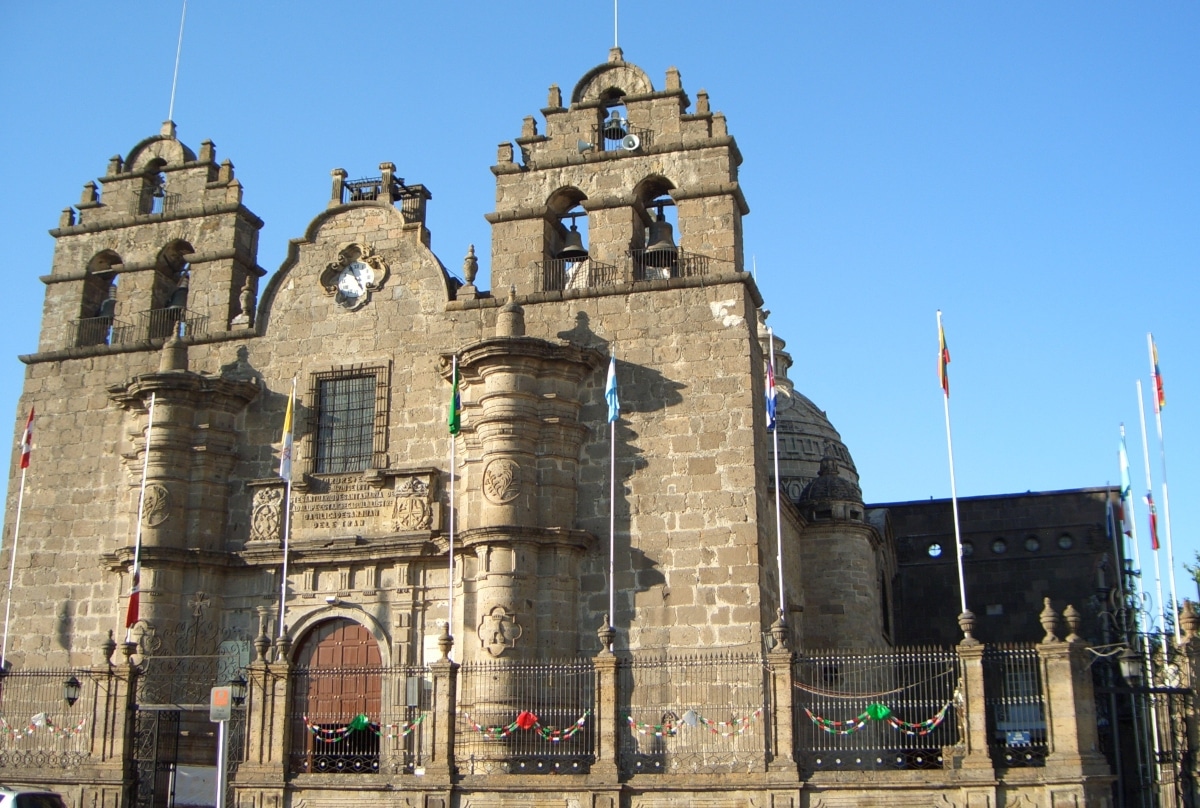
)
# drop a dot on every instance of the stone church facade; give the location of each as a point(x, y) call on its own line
point(154, 305)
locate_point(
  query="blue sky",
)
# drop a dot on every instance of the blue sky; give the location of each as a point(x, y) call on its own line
point(1030, 168)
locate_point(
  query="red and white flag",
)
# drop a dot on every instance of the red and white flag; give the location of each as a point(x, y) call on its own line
point(131, 615)
point(27, 441)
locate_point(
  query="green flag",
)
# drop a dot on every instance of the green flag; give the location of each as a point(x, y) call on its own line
point(455, 421)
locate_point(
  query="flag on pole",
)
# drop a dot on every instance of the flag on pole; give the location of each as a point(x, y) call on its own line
point(771, 402)
point(1110, 518)
point(943, 359)
point(131, 615)
point(1126, 490)
point(455, 420)
point(27, 441)
point(285, 453)
point(1153, 520)
point(1160, 400)
point(610, 391)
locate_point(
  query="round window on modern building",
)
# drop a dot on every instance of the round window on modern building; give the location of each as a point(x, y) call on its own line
point(968, 549)
point(999, 546)
point(1032, 544)
point(934, 550)
point(1065, 541)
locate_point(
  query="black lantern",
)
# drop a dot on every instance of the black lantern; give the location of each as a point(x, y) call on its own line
point(237, 689)
point(71, 690)
point(1130, 663)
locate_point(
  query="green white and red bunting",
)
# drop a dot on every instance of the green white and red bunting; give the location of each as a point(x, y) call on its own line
point(359, 723)
point(39, 722)
point(878, 712)
point(527, 721)
point(693, 720)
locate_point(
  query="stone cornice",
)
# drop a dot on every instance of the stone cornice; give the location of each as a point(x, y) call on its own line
point(138, 219)
point(512, 534)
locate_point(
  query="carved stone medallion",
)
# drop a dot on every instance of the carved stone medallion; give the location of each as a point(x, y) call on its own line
point(156, 506)
point(499, 631)
point(502, 481)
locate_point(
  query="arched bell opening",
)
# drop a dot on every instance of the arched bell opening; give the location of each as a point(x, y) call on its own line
point(566, 259)
point(613, 131)
point(169, 297)
point(336, 700)
point(98, 306)
point(152, 196)
point(654, 251)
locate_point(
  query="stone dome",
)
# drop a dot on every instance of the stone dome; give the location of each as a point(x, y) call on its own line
point(830, 486)
point(806, 435)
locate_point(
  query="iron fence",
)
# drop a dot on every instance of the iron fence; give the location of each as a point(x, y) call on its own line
point(100, 331)
point(654, 265)
point(1013, 700)
point(890, 709)
point(360, 720)
point(692, 713)
point(620, 136)
point(162, 323)
point(526, 717)
point(39, 727)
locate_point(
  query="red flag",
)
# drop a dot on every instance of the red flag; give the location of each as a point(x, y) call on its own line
point(943, 359)
point(131, 616)
point(27, 441)
point(1153, 521)
point(1160, 399)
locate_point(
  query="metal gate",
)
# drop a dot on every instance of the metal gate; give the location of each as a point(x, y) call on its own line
point(155, 749)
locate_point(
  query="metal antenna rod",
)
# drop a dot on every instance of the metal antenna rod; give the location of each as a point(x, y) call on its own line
point(178, 50)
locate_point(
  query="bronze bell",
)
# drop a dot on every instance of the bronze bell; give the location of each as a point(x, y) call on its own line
point(614, 127)
point(573, 249)
point(661, 250)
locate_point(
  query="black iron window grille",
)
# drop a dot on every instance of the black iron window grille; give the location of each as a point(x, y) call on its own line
point(350, 419)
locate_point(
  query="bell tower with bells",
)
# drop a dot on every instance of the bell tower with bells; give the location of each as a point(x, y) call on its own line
point(589, 203)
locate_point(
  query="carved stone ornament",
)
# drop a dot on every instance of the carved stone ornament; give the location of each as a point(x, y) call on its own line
point(412, 513)
point(499, 631)
point(156, 506)
point(502, 481)
point(356, 273)
point(265, 514)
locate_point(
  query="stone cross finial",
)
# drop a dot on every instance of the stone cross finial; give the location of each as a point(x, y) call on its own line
point(1049, 620)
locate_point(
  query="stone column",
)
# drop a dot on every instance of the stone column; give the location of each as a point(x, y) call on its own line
point(1070, 705)
point(607, 722)
point(972, 712)
point(781, 751)
point(440, 768)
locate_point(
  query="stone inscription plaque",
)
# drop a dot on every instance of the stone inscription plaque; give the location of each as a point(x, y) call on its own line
point(349, 504)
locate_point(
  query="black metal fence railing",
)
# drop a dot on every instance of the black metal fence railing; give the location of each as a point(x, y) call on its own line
point(162, 323)
point(891, 709)
point(654, 265)
point(559, 274)
point(360, 720)
point(622, 137)
point(155, 201)
point(526, 717)
point(1016, 712)
point(39, 727)
point(692, 714)
point(100, 331)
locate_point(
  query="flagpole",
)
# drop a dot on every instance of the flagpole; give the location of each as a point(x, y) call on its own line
point(12, 566)
point(943, 359)
point(136, 589)
point(286, 458)
point(612, 400)
point(1162, 451)
point(1162, 606)
point(453, 443)
point(778, 485)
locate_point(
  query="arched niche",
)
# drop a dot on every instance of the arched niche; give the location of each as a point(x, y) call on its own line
point(613, 79)
point(98, 301)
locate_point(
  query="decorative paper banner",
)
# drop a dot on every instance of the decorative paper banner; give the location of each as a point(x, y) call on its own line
point(878, 712)
point(358, 723)
point(39, 721)
point(669, 729)
point(528, 721)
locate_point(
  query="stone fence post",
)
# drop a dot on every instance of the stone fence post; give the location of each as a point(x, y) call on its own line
point(972, 708)
point(781, 740)
point(445, 708)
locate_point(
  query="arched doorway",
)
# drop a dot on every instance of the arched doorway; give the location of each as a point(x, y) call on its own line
point(336, 699)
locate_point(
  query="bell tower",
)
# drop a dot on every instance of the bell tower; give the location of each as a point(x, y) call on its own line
point(600, 198)
point(166, 248)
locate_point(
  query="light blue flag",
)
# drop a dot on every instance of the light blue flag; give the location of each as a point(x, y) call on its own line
point(610, 391)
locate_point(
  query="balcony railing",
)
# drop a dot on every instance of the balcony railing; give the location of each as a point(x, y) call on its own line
point(154, 201)
point(100, 331)
point(602, 137)
point(411, 197)
point(661, 265)
point(156, 324)
point(559, 274)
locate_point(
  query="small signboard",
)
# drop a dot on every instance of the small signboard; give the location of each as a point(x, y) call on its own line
point(1017, 738)
point(220, 704)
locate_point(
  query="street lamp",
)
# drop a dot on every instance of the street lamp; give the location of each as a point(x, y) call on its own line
point(70, 690)
point(237, 689)
point(1130, 664)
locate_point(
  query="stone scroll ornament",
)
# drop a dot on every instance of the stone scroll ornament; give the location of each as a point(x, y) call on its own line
point(502, 481)
point(499, 631)
point(156, 506)
point(265, 514)
point(413, 509)
point(356, 273)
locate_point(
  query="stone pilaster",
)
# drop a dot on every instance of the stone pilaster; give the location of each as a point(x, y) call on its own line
point(1070, 704)
point(782, 751)
point(972, 712)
